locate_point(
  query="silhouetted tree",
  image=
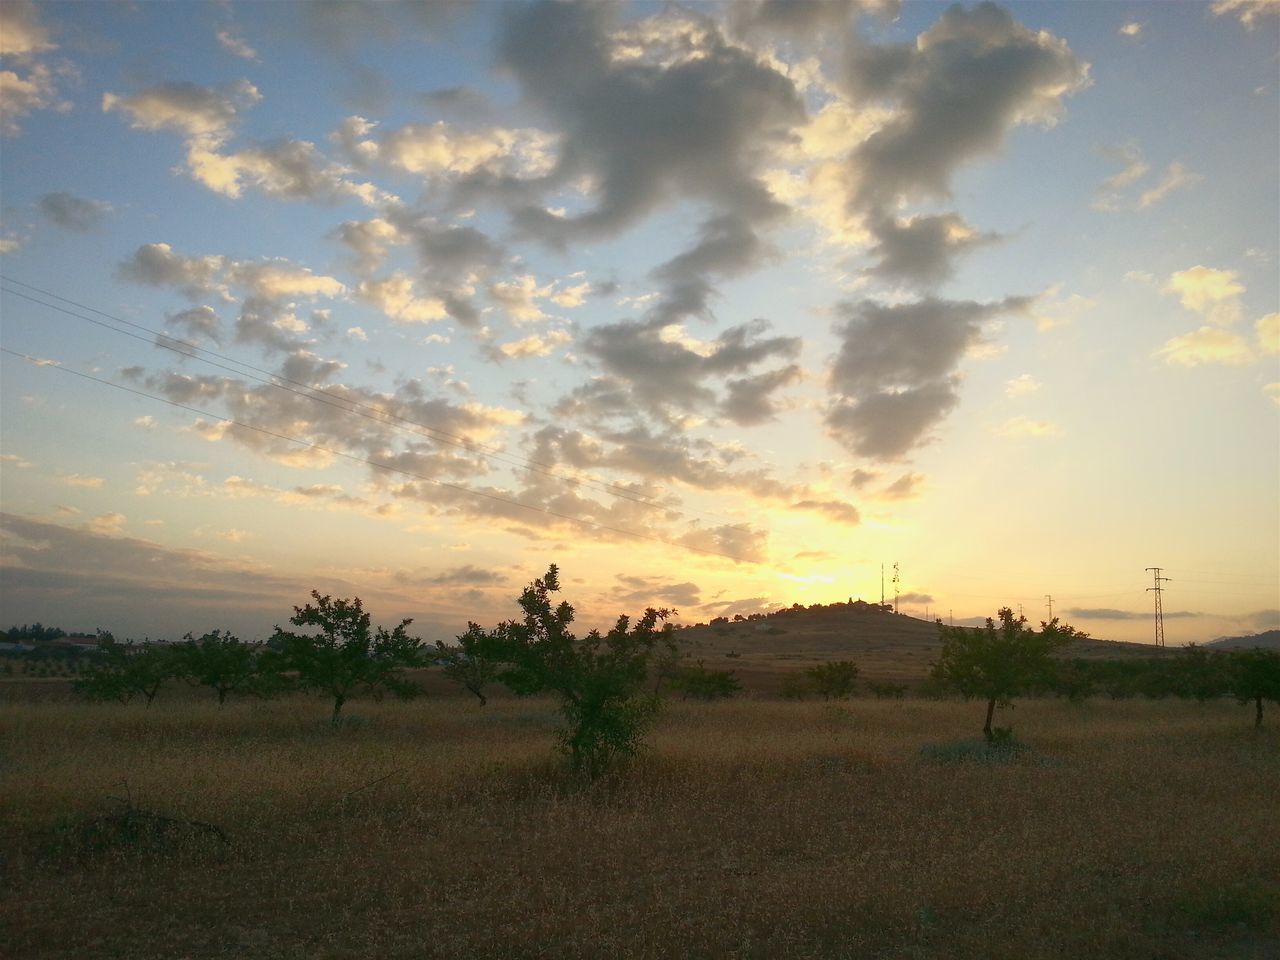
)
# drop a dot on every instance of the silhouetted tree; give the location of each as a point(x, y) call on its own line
point(347, 654)
point(599, 679)
point(1254, 675)
point(123, 671)
point(465, 662)
point(221, 661)
point(998, 663)
point(702, 683)
point(834, 680)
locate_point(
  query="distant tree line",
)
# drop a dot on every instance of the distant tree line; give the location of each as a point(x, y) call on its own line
point(609, 685)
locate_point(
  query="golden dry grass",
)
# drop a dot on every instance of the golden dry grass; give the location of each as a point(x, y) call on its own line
point(752, 828)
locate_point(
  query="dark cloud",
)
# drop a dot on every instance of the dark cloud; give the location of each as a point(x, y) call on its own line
point(922, 249)
point(654, 592)
point(197, 324)
point(645, 129)
point(72, 212)
point(804, 18)
point(468, 575)
point(750, 400)
point(904, 488)
point(727, 246)
point(662, 375)
point(836, 510)
point(1107, 613)
point(915, 598)
point(958, 89)
point(894, 377)
point(742, 543)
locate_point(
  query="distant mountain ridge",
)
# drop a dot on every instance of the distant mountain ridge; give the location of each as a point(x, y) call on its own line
point(1267, 640)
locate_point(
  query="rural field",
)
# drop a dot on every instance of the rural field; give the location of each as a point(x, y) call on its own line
point(752, 827)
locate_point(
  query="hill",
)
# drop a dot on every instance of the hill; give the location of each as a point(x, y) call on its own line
point(1268, 640)
point(886, 646)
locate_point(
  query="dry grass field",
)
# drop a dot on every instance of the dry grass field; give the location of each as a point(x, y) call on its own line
point(751, 828)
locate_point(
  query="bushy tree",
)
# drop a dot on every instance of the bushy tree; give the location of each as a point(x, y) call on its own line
point(833, 680)
point(1254, 675)
point(123, 671)
point(347, 654)
point(466, 662)
point(223, 662)
point(599, 679)
point(997, 664)
point(701, 683)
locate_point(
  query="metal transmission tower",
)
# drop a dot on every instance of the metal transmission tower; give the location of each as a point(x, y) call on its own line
point(1157, 590)
point(896, 581)
point(1049, 597)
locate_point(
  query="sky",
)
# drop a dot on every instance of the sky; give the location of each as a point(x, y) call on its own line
point(718, 307)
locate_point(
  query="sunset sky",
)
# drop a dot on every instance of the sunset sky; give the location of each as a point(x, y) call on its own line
point(718, 307)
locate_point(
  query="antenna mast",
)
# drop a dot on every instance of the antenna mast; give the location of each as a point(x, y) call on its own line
point(1157, 590)
point(896, 581)
point(1049, 597)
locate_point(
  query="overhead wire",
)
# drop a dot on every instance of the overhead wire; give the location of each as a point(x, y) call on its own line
point(321, 395)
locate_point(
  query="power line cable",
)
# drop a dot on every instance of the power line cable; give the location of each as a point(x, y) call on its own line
point(318, 394)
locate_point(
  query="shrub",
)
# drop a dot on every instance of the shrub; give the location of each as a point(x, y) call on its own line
point(599, 679)
point(834, 680)
point(346, 655)
point(702, 684)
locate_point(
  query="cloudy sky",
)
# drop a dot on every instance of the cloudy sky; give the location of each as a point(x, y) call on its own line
point(719, 307)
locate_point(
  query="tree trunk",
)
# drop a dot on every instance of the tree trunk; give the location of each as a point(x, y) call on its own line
point(991, 709)
point(1257, 720)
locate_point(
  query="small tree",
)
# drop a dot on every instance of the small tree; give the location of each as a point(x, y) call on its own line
point(221, 661)
point(1255, 675)
point(704, 684)
point(999, 663)
point(347, 654)
point(124, 671)
point(599, 679)
point(465, 663)
point(834, 680)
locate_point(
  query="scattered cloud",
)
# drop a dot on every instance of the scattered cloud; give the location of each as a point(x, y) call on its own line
point(1249, 12)
point(73, 213)
point(1131, 29)
point(1113, 194)
point(1212, 293)
point(106, 524)
point(895, 375)
point(1021, 386)
point(1268, 330)
point(835, 510)
point(1028, 427)
point(1206, 346)
point(236, 45)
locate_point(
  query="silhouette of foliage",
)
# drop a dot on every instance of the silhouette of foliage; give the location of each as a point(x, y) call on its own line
point(834, 680)
point(222, 662)
point(125, 670)
point(998, 663)
point(599, 679)
point(466, 662)
point(1254, 675)
point(701, 683)
point(346, 655)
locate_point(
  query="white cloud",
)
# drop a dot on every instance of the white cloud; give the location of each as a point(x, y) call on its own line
point(1027, 427)
point(1249, 11)
point(1272, 390)
point(236, 46)
point(1268, 329)
point(198, 112)
point(397, 297)
point(519, 298)
point(357, 333)
point(535, 345)
point(1214, 294)
point(1208, 345)
point(106, 524)
point(1131, 29)
point(1021, 386)
point(82, 480)
point(1176, 177)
